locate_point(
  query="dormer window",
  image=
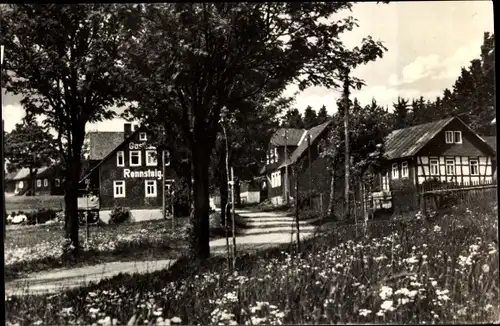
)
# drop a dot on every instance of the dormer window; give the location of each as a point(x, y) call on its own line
point(453, 137)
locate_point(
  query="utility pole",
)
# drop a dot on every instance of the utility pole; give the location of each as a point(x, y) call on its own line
point(347, 153)
point(164, 206)
point(310, 167)
point(233, 219)
point(286, 170)
point(2, 153)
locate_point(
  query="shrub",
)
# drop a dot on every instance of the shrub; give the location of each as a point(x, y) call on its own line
point(119, 215)
point(41, 216)
point(181, 199)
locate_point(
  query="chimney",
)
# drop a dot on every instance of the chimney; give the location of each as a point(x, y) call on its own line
point(127, 130)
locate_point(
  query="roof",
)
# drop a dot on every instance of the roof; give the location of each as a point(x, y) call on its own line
point(408, 141)
point(314, 133)
point(112, 151)
point(24, 173)
point(292, 136)
point(101, 143)
point(10, 176)
point(491, 140)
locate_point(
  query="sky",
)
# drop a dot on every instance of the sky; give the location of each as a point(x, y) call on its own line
point(428, 44)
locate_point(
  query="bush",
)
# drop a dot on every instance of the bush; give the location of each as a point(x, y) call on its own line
point(41, 216)
point(119, 215)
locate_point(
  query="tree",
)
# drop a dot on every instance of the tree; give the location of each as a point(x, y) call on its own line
point(322, 115)
point(30, 146)
point(310, 118)
point(401, 113)
point(189, 60)
point(293, 119)
point(64, 62)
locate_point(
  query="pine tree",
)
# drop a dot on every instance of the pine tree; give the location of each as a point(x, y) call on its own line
point(310, 118)
point(322, 115)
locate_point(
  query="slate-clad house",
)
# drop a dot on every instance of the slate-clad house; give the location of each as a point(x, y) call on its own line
point(130, 174)
point(48, 181)
point(446, 150)
point(296, 141)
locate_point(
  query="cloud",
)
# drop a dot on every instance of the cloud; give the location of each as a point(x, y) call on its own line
point(451, 66)
point(421, 67)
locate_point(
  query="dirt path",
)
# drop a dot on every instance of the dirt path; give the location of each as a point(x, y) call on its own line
point(57, 280)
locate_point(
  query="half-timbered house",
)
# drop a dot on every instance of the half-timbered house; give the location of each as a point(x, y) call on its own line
point(446, 150)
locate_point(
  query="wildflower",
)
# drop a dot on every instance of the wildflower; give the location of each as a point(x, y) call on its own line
point(437, 229)
point(176, 320)
point(411, 260)
point(387, 305)
point(403, 291)
point(403, 301)
point(416, 284)
point(488, 307)
point(385, 292)
point(39, 322)
point(105, 322)
point(485, 268)
point(434, 283)
point(364, 312)
point(380, 313)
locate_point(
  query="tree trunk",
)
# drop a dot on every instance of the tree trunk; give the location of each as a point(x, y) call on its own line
point(33, 173)
point(200, 247)
point(331, 204)
point(224, 193)
point(347, 156)
point(237, 192)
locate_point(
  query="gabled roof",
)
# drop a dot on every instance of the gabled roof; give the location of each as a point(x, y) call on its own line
point(492, 141)
point(24, 173)
point(101, 143)
point(314, 133)
point(409, 141)
point(292, 136)
point(110, 153)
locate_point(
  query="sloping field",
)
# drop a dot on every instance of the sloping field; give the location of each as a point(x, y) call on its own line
point(32, 203)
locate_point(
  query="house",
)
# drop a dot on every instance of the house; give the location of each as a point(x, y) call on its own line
point(48, 181)
point(131, 173)
point(286, 148)
point(446, 150)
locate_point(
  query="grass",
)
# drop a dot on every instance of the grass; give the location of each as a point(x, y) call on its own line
point(405, 271)
point(40, 248)
point(32, 203)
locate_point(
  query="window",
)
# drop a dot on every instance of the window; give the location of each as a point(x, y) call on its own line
point(150, 188)
point(395, 172)
point(120, 158)
point(450, 167)
point(151, 159)
point(404, 170)
point(135, 158)
point(278, 179)
point(45, 182)
point(448, 137)
point(119, 189)
point(267, 158)
point(166, 155)
point(385, 182)
point(57, 182)
point(474, 167)
point(143, 136)
point(276, 153)
point(134, 127)
point(434, 165)
point(453, 137)
point(39, 183)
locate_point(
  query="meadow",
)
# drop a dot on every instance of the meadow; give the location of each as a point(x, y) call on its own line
point(398, 271)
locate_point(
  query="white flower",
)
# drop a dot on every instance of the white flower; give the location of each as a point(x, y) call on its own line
point(105, 322)
point(434, 283)
point(387, 305)
point(364, 312)
point(176, 320)
point(380, 313)
point(385, 292)
point(437, 229)
point(403, 291)
point(411, 260)
point(485, 268)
